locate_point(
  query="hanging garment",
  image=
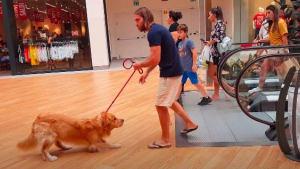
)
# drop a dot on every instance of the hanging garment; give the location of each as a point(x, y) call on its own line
point(34, 56)
point(42, 54)
point(26, 54)
point(21, 55)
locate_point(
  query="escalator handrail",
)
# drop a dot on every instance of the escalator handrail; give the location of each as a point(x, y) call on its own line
point(224, 58)
point(280, 109)
point(234, 51)
point(245, 69)
point(228, 54)
point(246, 43)
point(294, 129)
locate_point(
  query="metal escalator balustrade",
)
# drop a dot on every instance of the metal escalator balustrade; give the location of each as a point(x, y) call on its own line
point(291, 151)
point(269, 72)
point(234, 61)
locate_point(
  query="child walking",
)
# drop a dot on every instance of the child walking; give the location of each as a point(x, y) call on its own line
point(188, 56)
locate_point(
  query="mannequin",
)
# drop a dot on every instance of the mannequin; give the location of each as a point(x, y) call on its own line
point(258, 19)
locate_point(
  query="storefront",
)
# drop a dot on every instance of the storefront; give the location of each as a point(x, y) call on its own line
point(29, 24)
point(248, 15)
point(105, 31)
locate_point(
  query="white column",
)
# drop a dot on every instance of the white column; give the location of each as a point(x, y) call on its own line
point(244, 20)
point(203, 20)
point(237, 21)
point(97, 34)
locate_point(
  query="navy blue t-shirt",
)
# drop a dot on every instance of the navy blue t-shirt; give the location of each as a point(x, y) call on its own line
point(170, 64)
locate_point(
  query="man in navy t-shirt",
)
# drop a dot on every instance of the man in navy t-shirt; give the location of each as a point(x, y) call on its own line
point(164, 54)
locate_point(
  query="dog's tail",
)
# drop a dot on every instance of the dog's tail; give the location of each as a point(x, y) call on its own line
point(29, 143)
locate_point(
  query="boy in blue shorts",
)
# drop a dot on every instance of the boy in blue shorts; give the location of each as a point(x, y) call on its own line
point(188, 56)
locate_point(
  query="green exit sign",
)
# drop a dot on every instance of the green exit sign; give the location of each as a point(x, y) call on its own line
point(136, 3)
point(192, 0)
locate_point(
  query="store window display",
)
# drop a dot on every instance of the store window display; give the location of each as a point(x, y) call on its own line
point(257, 20)
point(4, 58)
point(64, 22)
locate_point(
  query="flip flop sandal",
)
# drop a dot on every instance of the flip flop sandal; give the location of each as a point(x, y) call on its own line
point(188, 130)
point(157, 146)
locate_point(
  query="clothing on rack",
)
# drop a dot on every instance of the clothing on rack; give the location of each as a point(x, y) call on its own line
point(33, 55)
point(26, 54)
point(60, 50)
point(21, 54)
point(36, 52)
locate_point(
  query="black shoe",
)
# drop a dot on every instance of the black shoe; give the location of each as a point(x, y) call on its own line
point(205, 101)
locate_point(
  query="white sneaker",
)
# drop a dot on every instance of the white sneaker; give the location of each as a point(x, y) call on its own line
point(257, 89)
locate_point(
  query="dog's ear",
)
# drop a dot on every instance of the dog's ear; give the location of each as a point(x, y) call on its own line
point(104, 119)
point(98, 118)
point(88, 125)
point(103, 114)
point(39, 116)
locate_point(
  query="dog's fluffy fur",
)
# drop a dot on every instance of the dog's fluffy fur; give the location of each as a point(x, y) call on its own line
point(57, 128)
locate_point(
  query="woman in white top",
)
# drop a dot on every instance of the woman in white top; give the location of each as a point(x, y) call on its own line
point(263, 37)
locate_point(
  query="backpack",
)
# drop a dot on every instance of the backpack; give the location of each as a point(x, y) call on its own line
point(225, 45)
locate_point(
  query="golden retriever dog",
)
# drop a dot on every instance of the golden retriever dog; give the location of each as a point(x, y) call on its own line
point(60, 129)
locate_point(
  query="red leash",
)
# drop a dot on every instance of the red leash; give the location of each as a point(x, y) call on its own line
point(140, 71)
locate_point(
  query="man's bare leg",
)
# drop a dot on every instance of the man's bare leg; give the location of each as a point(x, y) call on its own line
point(164, 119)
point(189, 124)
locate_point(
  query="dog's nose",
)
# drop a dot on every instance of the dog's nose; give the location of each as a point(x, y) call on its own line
point(122, 120)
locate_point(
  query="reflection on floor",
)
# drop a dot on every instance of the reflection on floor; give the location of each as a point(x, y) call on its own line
point(81, 60)
point(116, 64)
point(5, 73)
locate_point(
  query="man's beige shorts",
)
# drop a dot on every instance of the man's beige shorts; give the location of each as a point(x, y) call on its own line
point(167, 90)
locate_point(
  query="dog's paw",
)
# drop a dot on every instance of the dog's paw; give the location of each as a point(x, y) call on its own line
point(52, 158)
point(93, 149)
point(114, 146)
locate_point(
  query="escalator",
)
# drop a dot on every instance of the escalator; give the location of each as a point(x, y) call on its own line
point(235, 60)
point(221, 123)
point(241, 70)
